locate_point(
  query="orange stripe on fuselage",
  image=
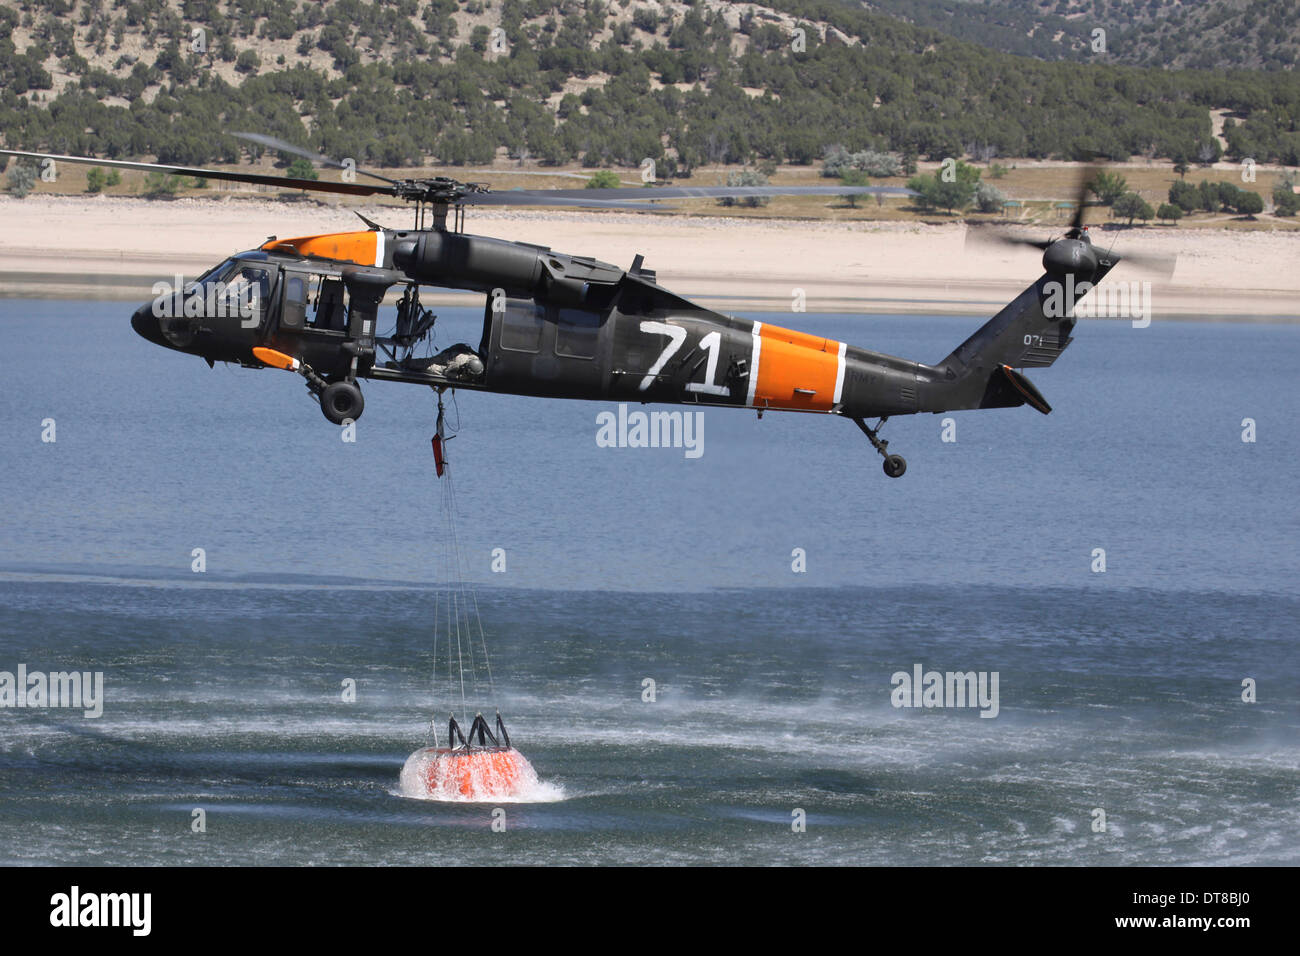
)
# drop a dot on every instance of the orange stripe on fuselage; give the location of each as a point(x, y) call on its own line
point(789, 360)
point(358, 247)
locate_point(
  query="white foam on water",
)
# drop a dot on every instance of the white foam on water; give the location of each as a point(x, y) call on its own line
point(486, 786)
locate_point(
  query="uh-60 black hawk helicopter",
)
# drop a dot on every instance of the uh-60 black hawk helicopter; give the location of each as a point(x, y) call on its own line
point(567, 326)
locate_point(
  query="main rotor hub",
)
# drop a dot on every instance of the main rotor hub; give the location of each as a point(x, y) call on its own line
point(438, 191)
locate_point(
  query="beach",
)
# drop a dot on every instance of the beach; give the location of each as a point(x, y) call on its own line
point(103, 247)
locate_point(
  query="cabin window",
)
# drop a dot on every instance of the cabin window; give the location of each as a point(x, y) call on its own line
point(576, 333)
point(521, 326)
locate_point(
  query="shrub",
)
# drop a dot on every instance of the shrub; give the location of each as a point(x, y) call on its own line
point(988, 198)
point(22, 177)
point(746, 177)
point(1169, 211)
point(1285, 202)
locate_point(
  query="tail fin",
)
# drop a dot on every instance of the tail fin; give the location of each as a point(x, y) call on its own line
point(1030, 332)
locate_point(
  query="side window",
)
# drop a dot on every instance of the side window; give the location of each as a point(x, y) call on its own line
point(576, 331)
point(521, 326)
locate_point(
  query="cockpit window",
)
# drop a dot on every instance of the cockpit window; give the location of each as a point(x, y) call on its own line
point(247, 291)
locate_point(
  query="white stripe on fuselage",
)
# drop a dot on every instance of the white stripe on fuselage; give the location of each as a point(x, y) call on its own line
point(839, 375)
point(753, 361)
point(379, 249)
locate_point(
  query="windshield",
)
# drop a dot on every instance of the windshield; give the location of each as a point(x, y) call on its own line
point(214, 275)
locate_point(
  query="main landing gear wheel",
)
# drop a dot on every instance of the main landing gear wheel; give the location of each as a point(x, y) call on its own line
point(894, 465)
point(341, 401)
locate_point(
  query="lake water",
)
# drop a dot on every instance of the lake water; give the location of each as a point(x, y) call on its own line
point(1119, 691)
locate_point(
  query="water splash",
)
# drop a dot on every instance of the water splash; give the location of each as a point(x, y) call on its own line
point(479, 776)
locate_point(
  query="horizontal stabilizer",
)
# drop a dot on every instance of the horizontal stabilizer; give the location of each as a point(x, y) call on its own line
point(1032, 396)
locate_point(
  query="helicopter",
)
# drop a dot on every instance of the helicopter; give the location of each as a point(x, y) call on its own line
point(557, 325)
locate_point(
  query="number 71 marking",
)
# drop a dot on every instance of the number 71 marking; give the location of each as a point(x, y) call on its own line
point(676, 336)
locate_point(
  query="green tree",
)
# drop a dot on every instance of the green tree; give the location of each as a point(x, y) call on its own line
point(1170, 212)
point(1285, 201)
point(1108, 187)
point(1132, 206)
point(95, 180)
point(1249, 204)
point(1208, 193)
point(951, 188)
point(603, 179)
point(854, 177)
point(302, 169)
point(1184, 195)
point(160, 185)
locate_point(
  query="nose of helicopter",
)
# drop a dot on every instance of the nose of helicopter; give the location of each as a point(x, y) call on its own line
point(146, 324)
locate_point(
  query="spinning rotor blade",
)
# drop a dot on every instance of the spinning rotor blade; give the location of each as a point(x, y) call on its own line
point(543, 197)
point(706, 192)
point(994, 235)
point(1081, 200)
point(529, 172)
point(284, 182)
point(272, 142)
point(450, 192)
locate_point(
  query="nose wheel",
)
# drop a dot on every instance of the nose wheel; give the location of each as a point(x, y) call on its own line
point(894, 465)
point(342, 401)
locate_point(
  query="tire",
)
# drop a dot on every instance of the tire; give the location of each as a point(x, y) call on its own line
point(895, 465)
point(341, 401)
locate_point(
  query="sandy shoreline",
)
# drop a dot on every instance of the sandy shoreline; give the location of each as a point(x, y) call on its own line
point(115, 248)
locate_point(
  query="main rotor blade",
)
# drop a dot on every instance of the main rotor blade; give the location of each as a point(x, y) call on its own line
point(283, 182)
point(273, 142)
point(528, 172)
point(542, 197)
point(640, 199)
point(716, 192)
point(1087, 177)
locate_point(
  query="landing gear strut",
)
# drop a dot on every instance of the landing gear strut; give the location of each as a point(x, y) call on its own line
point(894, 465)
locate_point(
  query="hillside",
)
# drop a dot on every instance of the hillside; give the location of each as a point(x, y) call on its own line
point(1200, 34)
point(564, 81)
